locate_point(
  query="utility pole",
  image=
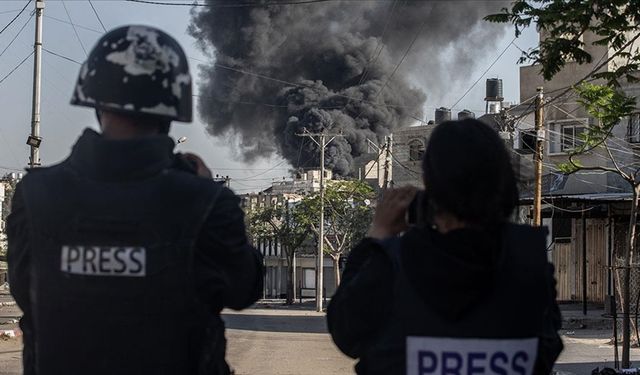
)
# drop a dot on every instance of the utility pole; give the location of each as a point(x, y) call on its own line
point(321, 141)
point(387, 161)
point(537, 158)
point(34, 138)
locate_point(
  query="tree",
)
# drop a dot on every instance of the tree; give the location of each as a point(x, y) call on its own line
point(615, 23)
point(9, 188)
point(283, 223)
point(348, 213)
point(564, 22)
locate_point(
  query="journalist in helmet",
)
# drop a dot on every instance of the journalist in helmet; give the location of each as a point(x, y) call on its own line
point(463, 291)
point(123, 255)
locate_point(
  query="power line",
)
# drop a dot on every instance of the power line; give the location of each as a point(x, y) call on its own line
point(16, 17)
point(16, 68)
point(9, 11)
point(73, 24)
point(97, 16)
point(484, 73)
point(231, 5)
point(61, 56)
point(296, 84)
point(16, 36)
point(74, 27)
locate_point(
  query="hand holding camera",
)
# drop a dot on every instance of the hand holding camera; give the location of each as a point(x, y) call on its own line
point(390, 218)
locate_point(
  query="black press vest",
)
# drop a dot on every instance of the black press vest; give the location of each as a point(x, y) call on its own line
point(112, 289)
point(513, 309)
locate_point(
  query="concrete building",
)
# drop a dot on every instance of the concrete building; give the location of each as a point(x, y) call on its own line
point(408, 149)
point(275, 283)
point(587, 212)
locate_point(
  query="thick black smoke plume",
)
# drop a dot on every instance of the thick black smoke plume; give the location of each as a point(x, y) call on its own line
point(335, 66)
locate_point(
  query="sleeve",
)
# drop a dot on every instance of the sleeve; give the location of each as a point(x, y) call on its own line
point(550, 344)
point(19, 271)
point(355, 312)
point(229, 271)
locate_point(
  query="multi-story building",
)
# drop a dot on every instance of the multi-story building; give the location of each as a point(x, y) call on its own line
point(290, 192)
point(587, 212)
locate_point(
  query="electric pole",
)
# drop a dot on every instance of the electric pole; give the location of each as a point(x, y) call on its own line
point(34, 138)
point(321, 141)
point(387, 161)
point(537, 158)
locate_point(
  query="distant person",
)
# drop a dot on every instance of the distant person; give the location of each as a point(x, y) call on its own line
point(123, 255)
point(463, 292)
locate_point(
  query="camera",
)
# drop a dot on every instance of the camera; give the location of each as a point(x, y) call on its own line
point(417, 211)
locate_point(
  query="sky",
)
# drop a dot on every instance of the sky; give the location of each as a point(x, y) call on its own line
point(61, 123)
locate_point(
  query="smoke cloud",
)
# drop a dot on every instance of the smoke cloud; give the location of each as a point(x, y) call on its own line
point(331, 66)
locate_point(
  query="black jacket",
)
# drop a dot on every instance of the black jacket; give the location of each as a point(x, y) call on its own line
point(453, 276)
point(227, 271)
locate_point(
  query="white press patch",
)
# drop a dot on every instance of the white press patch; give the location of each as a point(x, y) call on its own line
point(434, 355)
point(104, 260)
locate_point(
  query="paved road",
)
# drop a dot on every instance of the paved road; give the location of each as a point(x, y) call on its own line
point(267, 341)
point(274, 341)
point(584, 350)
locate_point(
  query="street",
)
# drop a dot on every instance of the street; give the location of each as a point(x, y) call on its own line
point(272, 340)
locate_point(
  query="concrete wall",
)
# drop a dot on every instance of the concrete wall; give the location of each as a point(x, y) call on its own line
point(566, 111)
point(407, 171)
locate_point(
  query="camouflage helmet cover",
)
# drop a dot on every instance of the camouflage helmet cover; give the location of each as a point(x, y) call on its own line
point(138, 70)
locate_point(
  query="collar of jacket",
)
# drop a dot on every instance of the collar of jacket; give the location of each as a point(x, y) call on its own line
point(121, 160)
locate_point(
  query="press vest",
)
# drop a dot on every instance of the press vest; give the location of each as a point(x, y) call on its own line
point(112, 287)
point(512, 310)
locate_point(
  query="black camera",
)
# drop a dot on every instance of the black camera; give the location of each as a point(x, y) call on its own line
point(417, 210)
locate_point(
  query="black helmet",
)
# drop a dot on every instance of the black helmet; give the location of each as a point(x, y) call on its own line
point(139, 70)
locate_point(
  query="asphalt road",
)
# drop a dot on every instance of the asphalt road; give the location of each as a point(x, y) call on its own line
point(272, 341)
point(267, 341)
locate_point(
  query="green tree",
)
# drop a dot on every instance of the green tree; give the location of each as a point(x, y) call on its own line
point(282, 222)
point(614, 22)
point(9, 188)
point(347, 214)
point(615, 25)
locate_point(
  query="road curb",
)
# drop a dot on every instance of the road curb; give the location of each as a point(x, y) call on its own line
point(587, 322)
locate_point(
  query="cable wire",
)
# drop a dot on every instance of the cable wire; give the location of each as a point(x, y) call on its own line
point(9, 11)
point(16, 68)
point(484, 73)
point(73, 24)
point(16, 36)
point(231, 5)
point(16, 17)
point(97, 16)
point(74, 27)
point(61, 56)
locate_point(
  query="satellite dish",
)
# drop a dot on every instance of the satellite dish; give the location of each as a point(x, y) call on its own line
point(367, 202)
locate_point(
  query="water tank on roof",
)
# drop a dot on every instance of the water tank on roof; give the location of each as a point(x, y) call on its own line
point(494, 90)
point(442, 114)
point(465, 114)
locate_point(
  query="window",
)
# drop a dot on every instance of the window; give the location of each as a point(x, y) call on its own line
point(571, 137)
point(416, 150)
point(633, 128)
point(561, 230)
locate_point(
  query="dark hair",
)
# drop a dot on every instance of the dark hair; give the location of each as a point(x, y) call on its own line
point(468, 173)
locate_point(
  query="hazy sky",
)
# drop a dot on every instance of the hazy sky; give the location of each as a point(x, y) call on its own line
point(62, 123)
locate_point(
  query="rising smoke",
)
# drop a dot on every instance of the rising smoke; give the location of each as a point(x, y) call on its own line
point(336, 68)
